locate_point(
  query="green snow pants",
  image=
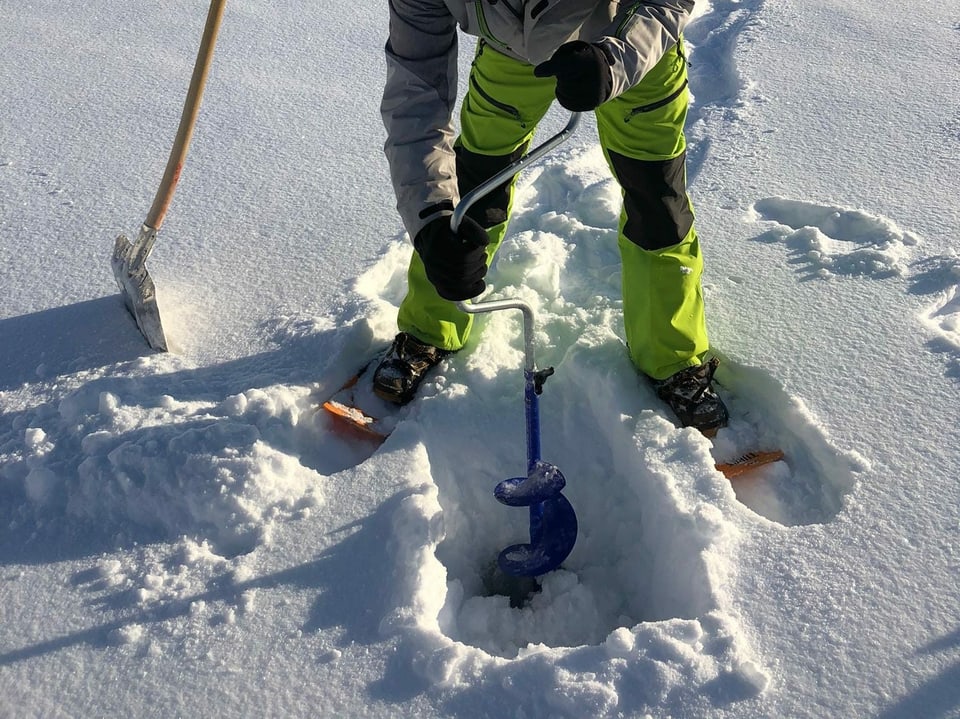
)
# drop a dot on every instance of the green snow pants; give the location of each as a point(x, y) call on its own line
point(641, 133)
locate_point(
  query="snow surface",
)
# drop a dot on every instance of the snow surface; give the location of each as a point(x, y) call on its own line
point(184, 535)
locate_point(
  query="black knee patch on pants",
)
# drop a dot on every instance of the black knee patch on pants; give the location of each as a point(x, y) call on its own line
point(655, 199)
point(473, 170)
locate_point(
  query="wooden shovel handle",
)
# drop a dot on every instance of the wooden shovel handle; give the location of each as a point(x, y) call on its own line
point(178, 154)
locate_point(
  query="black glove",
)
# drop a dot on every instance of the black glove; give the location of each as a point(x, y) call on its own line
point(455, 262)
point(584, 80)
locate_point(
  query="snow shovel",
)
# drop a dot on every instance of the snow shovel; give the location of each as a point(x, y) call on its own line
point(553, 523)
point(129, 259)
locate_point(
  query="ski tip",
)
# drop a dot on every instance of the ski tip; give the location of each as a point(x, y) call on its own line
point(749, 461)
point(354, 419)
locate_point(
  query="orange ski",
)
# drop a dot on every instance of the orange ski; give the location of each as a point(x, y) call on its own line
point(355, 408)
point(355, 419)
point(749, 462)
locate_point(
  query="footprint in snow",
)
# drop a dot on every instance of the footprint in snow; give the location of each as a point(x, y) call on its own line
point(944, 317)
point(806, 487)
point(940, 278)
point(831, 240)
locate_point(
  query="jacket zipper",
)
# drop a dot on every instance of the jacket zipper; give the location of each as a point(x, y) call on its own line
point(484, 28)
point(629, 16)
point(656, 105)
point(516, 13)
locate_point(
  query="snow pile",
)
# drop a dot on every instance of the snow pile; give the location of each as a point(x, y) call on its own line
point(136, 463)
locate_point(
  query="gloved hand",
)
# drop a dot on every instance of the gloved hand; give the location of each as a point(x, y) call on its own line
point(455, 263)
point(584, 80)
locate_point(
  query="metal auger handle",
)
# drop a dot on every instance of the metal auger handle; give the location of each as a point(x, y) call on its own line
point(484, 189)
point(529, 362)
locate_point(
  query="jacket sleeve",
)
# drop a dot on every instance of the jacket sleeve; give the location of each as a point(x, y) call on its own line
point(417, 107)
point(639, 36)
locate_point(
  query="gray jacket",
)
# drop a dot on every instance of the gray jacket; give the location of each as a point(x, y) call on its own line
point(421, 86)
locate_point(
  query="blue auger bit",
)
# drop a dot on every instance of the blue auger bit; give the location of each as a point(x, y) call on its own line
point(553, 523)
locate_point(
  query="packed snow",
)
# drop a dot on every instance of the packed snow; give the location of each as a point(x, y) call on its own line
point(188, 534)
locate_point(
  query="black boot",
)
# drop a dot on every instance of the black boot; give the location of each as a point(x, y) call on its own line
point(404, 367)
point(690, 394)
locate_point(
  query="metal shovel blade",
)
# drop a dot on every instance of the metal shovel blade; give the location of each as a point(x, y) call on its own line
point(136, 286)
point(554, 540)
point(544, 482)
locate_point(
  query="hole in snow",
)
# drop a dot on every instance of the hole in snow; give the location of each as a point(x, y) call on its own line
point(639, 555)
